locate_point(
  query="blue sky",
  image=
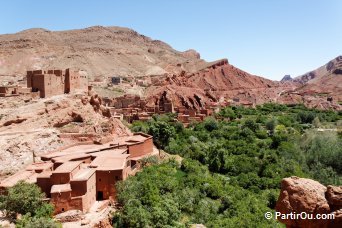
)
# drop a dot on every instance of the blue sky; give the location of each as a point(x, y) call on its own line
point(270, 38)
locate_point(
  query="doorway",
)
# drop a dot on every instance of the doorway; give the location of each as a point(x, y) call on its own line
point(99, 196)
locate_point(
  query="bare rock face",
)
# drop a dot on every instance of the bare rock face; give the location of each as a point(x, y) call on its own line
point(70, 216)
point(96, 102)
point(305, 195)
point(217, 81)
point(334, 196)
point(96, 50)
point(326, 80)
point(286, 78)
point(14, 121)
point(191, 54)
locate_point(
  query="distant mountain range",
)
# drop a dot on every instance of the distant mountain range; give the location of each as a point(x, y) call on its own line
point(100, 51)
point(325, 80)
point(116, 51)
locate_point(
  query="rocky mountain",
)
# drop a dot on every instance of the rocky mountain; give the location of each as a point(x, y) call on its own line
point(286, 78)
point(100, 51)
point(115, 51)
point(332, 68)
point(324, 81)
point(217, 83)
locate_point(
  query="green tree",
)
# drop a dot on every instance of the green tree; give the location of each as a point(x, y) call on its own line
point(231, 170)
point(306, 116)
point(251, 124)
point(271, 124)
point(210, 124)
point(228, 113)
point(24, 198)
point(162, 132)
point(139, 126)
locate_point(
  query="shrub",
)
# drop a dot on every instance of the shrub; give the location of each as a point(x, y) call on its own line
point(33, 222)
point(271, 124)
point(24, 198)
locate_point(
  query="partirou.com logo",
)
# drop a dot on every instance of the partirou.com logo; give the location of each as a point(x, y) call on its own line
point(294, 215)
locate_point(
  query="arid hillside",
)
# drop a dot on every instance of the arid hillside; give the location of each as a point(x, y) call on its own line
point(320, 88)
point(217, 83)
point(332, 67)
point(100, 51)
point(29, 127)
point(181, 77)
point(326, 80)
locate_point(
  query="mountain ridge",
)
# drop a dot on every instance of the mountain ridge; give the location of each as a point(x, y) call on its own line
point(101, 51)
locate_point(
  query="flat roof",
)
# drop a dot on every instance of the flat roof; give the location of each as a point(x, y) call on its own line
point(85, 148)
point(76, 150)
point(80, 149)
point(110, 153)
point(83, 174)
point(109, 163)
point(70, 157)
point(67, 167)
point(128, 140)
point(29, 176)
point(91, 148)
point(137, 138)
point(44, 174)
point(57, 188)
point(40, 166)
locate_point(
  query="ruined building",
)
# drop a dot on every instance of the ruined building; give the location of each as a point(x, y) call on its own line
point(54, 82)
point(8, 91)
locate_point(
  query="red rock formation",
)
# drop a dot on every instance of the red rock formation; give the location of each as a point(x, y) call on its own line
point(216, 82)
point(323, 82)
point(334, 196)
point(223, 83)
point(304, 195)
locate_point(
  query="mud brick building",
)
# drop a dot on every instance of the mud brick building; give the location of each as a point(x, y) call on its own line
point(54, 82)
point(73, 178)
point(132, 107)
point(8, 91)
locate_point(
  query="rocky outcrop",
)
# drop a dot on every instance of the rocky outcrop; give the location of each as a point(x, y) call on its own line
point(191, 54)
point(14, 121)
point(309, 100)
point(286, 78)
point(218, 82)
point(70, 216)
point(299, 195)
point(323, 82)
point(334, 197)
point(332, 67)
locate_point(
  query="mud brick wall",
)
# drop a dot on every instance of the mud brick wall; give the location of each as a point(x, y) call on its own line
point(139, 149)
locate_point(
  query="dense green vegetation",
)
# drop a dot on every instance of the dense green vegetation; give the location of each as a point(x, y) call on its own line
point(167, 195)
point(27, 200)
point(232, 166)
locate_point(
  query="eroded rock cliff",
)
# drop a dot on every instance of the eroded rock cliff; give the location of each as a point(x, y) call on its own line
point(301, 195)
